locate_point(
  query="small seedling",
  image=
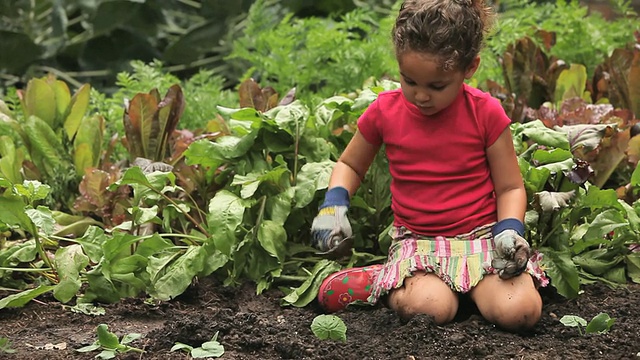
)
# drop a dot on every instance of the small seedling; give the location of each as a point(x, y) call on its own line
point(5, 346)
point(600, 323)
point(109, 343)
point(210, 348)
point(329, 327)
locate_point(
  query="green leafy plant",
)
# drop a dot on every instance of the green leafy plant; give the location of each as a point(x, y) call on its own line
point(211, 348)
point(52, 140)
point(5, 346)
point(110, 344)
point(329, 327)
point(600, 323)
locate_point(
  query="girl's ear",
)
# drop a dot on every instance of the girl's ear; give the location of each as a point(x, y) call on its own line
point(472, 68)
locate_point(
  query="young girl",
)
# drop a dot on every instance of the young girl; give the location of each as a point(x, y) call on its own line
point(457, 194)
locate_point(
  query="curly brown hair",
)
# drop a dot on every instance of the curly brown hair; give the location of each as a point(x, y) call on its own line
point(451, 30)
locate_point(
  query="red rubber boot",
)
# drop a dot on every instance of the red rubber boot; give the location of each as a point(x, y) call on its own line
point(346, 287)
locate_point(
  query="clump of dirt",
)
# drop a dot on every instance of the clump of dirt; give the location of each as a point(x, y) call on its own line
point(257, 327)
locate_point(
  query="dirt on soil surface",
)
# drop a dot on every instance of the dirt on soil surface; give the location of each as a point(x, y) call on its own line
point(254, 326)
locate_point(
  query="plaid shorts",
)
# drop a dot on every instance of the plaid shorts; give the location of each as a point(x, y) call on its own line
point(460, 261)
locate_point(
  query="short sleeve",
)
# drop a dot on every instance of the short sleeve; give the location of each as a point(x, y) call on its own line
point(493, 119)
point(369, 123)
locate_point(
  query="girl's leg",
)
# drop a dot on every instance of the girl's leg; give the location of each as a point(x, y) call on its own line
point(425, 293)
point(513, 304)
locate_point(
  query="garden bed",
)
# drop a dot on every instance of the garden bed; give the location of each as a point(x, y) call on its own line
point(256, 327)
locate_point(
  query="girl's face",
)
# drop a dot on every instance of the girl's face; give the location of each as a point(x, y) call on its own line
point(426, 85)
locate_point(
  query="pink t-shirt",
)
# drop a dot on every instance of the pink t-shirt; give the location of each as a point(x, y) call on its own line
point(441, 183)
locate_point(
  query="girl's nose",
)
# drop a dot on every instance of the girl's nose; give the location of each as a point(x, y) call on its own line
point(422, 97)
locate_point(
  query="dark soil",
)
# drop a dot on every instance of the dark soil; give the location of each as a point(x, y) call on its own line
point(257, 327)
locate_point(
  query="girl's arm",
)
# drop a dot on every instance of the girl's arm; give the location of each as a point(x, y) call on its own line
point(507, 180)
point(353, 164)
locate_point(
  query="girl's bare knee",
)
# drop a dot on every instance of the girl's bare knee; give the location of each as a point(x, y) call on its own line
point(522, 314)
point(425, 294)
point(511, 304)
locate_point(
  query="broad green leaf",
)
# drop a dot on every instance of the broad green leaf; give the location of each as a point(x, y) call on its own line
point(617, 274)
point(635, 177)
point(311, 178)
point(42, 219)
point(181, 346)
point(606, 222)
point(278, 207)
point(215, 153)
point(633, 266)
point(46, 147)
point(631, 215)
point(11, 159)
point(329, 327)
point(88, 309)
point(596, 198)
point(22, 298)
point(106, 338)
point(106, 354)
point(158, 263)
point(214, 261)
point(535, 179)
point(89, 348)
point(179, 274)
point(33, 190)
point(69, 262)
point(76, 110)
point(330, 109)
point(249, 183)
point(199, 353)
point(308, 290)
point(290, 118)
point(226, 211)
point(63, 98)
point(315, 149)
point(88, 143)
point(153, 245)
point(597, 261)
point(562, 271)
point(17, 253)
point(12, 212)
point(40, 101)
point(539, 133)
point(131, 337)
point(92, 242)
point(543, 157)
point(571, 83)
point(559, 167)
point(573, 321)
point(600, 324)
point(144, 215)
point(246, 114)
point(273, 238)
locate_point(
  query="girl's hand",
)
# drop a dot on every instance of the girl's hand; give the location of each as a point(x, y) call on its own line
point(513, 254)
point(331, 231)
point(330, 228)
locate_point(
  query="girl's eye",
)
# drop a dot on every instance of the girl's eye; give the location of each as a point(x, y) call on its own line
point(438, 88)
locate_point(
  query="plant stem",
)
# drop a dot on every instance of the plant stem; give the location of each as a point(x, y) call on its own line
point(185, 213)
point(553, 230)
point(290, 278)
point(41, 252)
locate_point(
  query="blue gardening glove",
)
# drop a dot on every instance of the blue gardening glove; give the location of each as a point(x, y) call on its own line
point(331, 227)
point(512, 249)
